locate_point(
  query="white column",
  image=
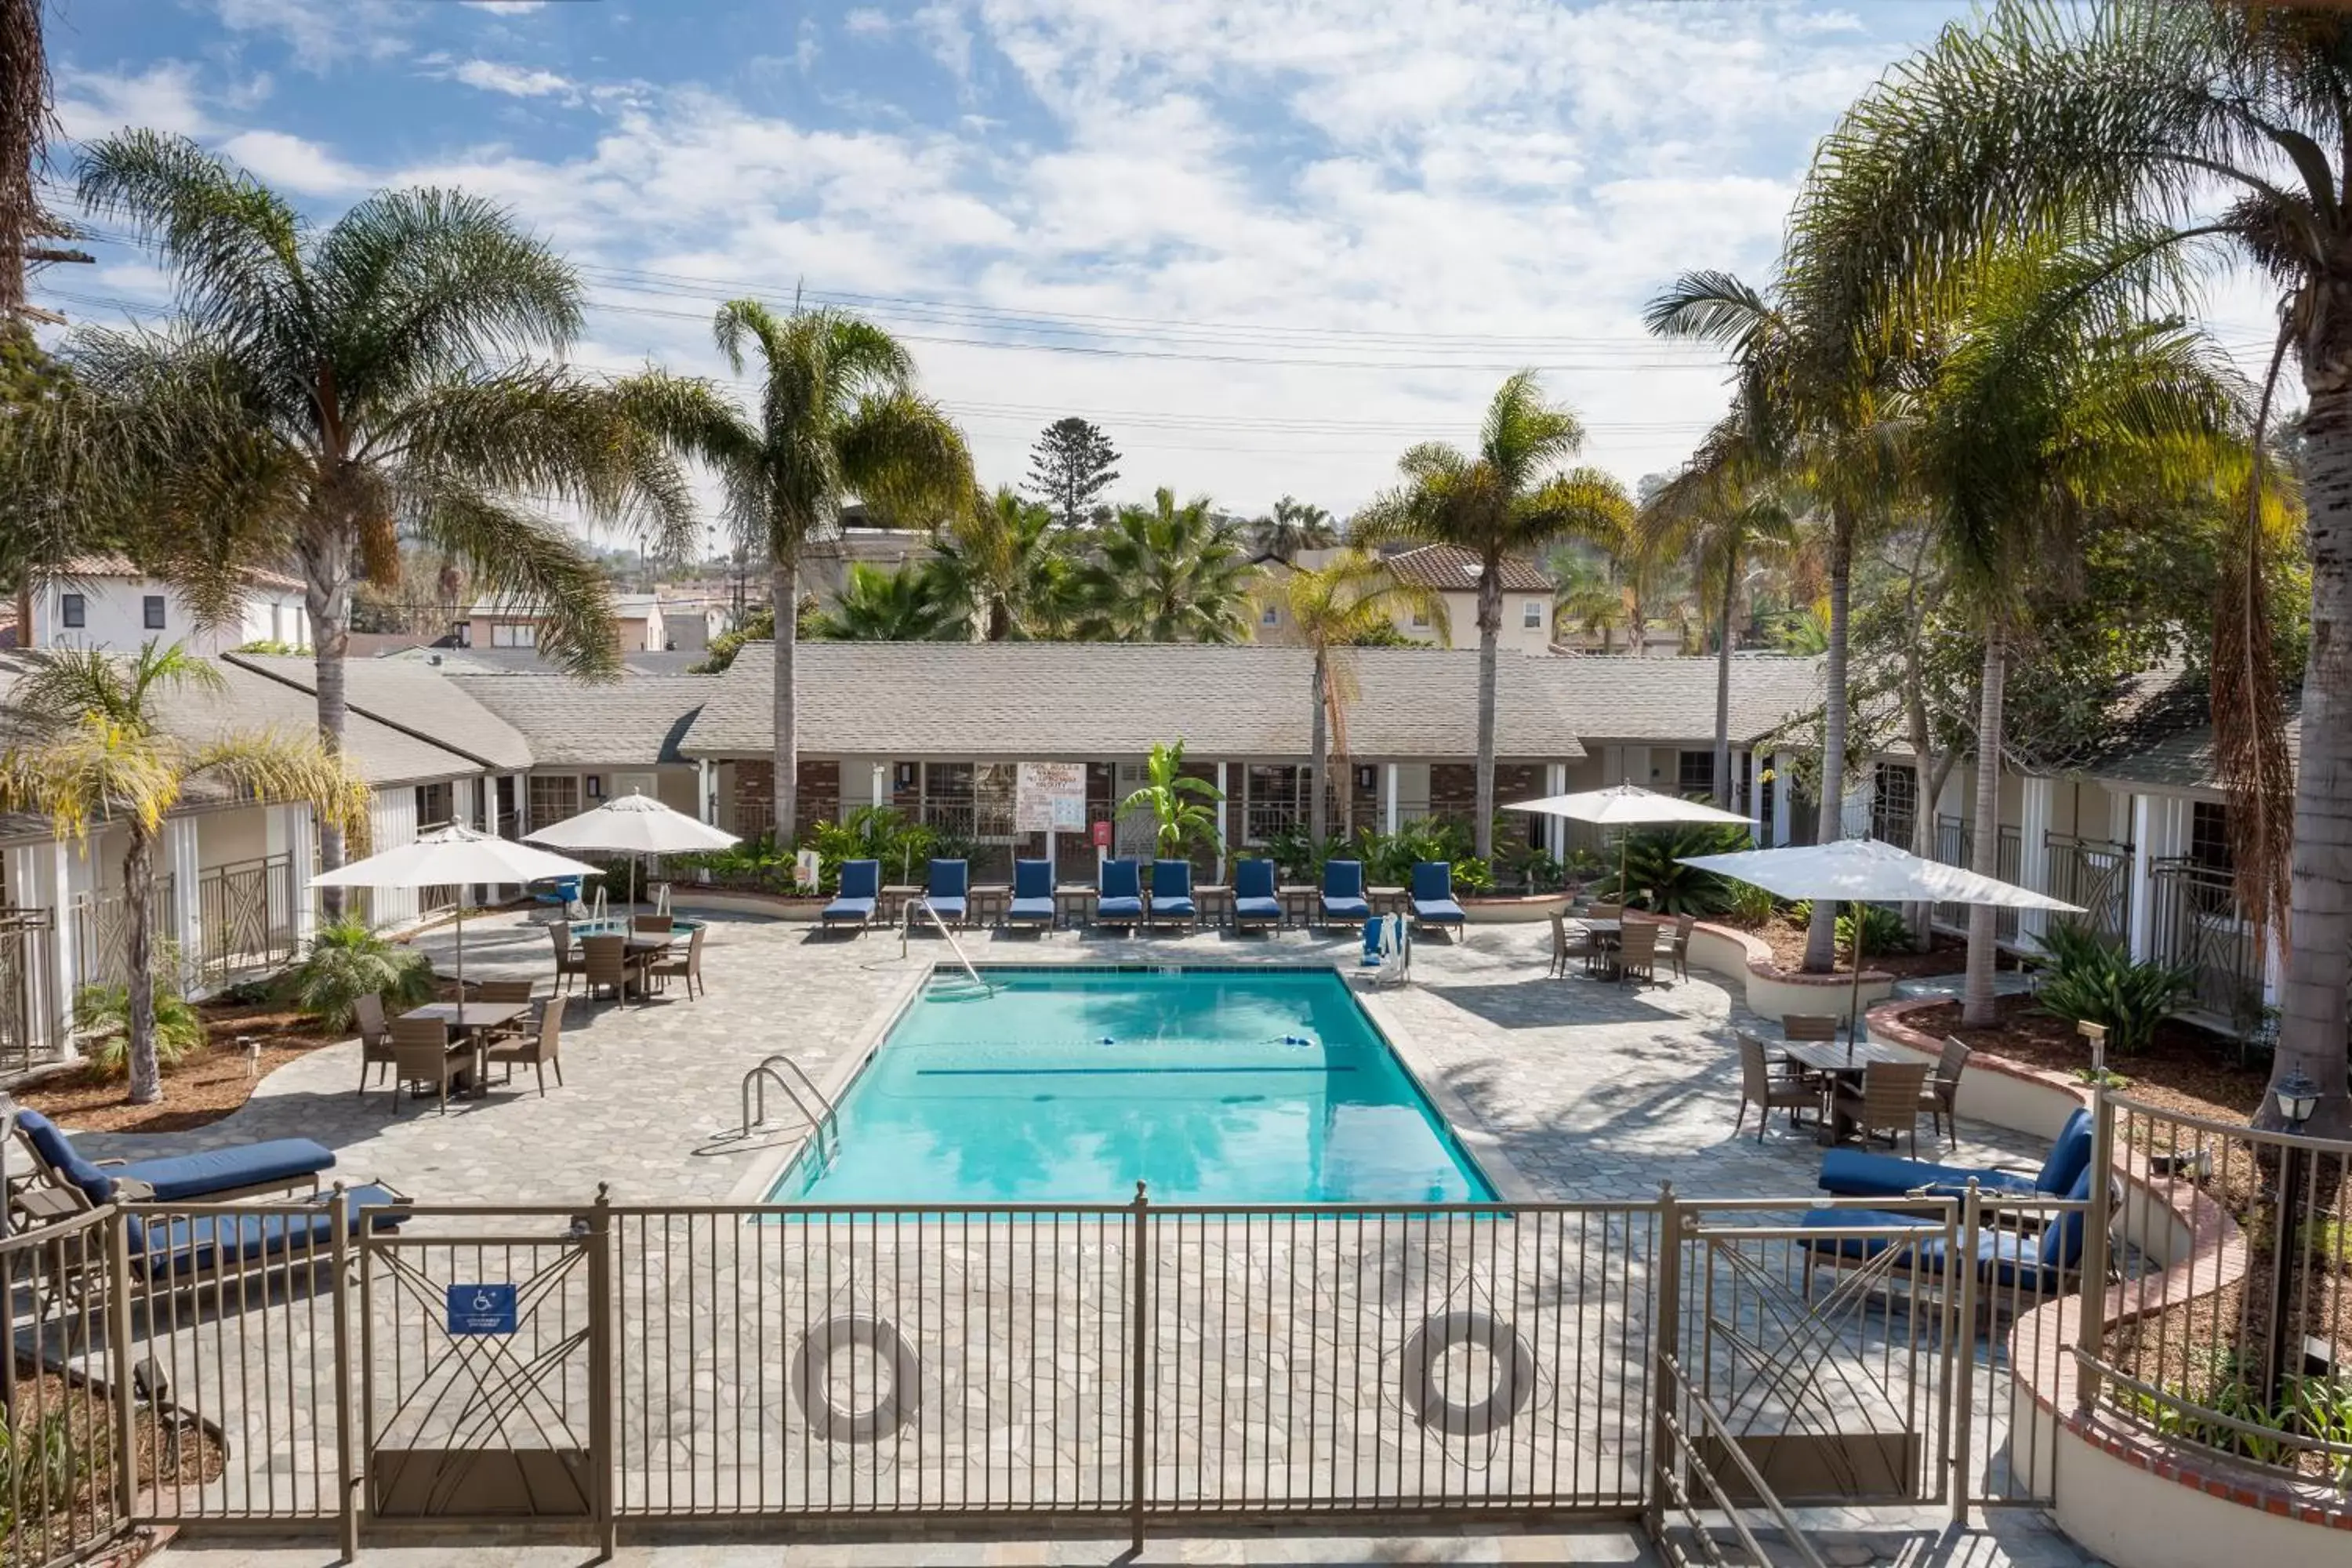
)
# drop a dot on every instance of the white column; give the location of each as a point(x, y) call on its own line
point(2142, 852)
point(187, 910)
point(302, 854)
point(30, 873)
point(1784, 766)
point(62, 957)
point(1755, 769)
point(1389, 806)
point(1556, 827)
point(1225, 839)
point(705, 790)
point(2038, 797)
point(879, 782)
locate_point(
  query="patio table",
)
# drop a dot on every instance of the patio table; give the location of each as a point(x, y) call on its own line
point(1215, 901)
point(1607, 936)
point(475, 1020)
point(1388, 900)
point(1070, 900)
point(988, 902)
point(1835, 1059)
point(895, 898)
point(1299, 901)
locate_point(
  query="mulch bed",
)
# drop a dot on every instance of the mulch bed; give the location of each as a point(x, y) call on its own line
point(69, 1499)
point(205, 1085)
point(2185, 1068)
point(1787, 941)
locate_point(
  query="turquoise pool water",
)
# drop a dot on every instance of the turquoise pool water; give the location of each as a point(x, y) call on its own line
point(1069, 1086)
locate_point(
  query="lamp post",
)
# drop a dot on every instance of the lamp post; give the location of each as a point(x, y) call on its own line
point(2298, 1097)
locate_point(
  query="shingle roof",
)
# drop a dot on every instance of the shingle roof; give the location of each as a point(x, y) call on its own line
point(1042, 700)
point(536, 661)
point(2183, 760)
point(413, 697)
point(569, 723)
point(1450, 569)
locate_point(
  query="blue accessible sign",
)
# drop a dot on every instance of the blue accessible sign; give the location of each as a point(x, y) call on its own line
point(481, 1308)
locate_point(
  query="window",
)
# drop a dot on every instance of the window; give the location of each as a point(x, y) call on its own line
point(1269, 616)
point(1531, 616)
point(435, 804)
point(73, 609)
point(1420, 619)
point(2208, 836)
point(513, 634)
point(151, 610)
point(1893, 803)
point(1695, 773)
point(554, 797)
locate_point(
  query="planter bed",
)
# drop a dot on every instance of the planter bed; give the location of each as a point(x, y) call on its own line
point(206, 1085)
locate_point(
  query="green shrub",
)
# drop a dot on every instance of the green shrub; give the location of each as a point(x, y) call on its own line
point(1297, 858)
point(101, 1015)
point(2088, 982)
point(755, 863)
point(43, 1468)
point(1882, 930)
point(1389, 857)
point(1657, 881)
point(1750, 905)
point(1471, 875)
point(346, 960)
point(873, 833)
point(1529, 866)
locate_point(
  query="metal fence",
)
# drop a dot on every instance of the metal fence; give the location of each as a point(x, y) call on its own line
point(63, 1488)
point(245, 914)
point(29, 1025)
point(2194, 921)
point(2095, 874)
point(101, 933)
point(2248, 1367)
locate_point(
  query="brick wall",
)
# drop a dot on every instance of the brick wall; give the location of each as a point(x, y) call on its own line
point(755, 795)
point(1453, 787)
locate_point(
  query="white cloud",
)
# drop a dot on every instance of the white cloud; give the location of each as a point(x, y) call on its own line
point(296, 165)
point(321, 34)
point(507, 7)
point(517, 81)
point(163, 97)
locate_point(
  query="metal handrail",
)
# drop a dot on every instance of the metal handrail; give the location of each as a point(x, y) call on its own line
point(907, 927)
point(766, 1073)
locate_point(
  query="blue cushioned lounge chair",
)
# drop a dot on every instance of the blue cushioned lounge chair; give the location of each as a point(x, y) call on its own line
point(861, 890)
point(181, 1247)
point(1119, 893)
point(1033, 894)
point(1172, 892)
point(1343, 893)
point(1855, 1173)
point(1255, 903)
point(281, 1164)
point(1433, 895)
point(949, 889)
point(2025, 1265)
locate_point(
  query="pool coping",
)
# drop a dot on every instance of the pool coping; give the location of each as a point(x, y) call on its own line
point(1482, 1149)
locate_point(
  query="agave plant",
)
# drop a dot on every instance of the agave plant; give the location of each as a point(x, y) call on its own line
point(2090, 982)
point(102, 1015)
point(1656, 879)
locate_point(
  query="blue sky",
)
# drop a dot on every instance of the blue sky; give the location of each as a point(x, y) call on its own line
point(1266, 245)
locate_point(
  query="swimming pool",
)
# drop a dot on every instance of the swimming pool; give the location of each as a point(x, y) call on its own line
point(1069, 1085)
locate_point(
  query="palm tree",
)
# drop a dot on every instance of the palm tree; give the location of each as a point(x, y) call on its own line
point(2129, 117)
point(1590, 599)
point(1333, 608)
point(1505, 499)
point(1293, 526)
point(95, 750)
point(1004, 560)
point(1179, 804)
point(331, 392)
point(838, 417)
point(1166, 572)
point(912, 603)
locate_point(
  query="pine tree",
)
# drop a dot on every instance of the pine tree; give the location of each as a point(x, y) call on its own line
point(1071, 464)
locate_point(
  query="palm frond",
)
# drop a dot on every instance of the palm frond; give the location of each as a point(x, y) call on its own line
point(527, 561)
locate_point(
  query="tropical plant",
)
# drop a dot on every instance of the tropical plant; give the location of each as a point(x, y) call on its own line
point(2088, 982)
point(1389, 857)
point(1882, 931)
point(2131, 117)
point(1656, 879)
point(347, 959)
point(905, 604)
point(1292, 526)
point(837, 415)
point(94, 748)
point(1331, 608)
point(330, 391)
point(1473, 875)
point(754, 862)
point(1505, 499)
point(1749, 905)
point(1179, 805)
point(1166, 572)
point(1299, 857)
point(1071, 463)
point(101, 1017)
point(872, 833)
point(1004, 563)
point(1529, 865)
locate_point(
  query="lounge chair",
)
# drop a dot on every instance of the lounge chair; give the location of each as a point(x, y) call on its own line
point(2030, 1266)
point(1852, 1174)
point(1033, 894)
point(1172, 892)
point(181, 1245)
point(1433, 895)
point(861, 890)
point(1343, 893)
point(243, 1170)
point(1255, 903)
point(1119, 893)
point(948, 891)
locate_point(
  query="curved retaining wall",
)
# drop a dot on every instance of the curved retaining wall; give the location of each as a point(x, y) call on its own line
point(1773, 991)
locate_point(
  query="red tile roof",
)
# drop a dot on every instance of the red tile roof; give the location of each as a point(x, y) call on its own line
point(1450, 569)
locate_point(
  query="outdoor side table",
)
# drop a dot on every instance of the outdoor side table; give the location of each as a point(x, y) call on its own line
point(895, 898)
point(1386, 901)
point(1070, 901)
point(988, 901)
point(1298, 903)
point(1215, 902)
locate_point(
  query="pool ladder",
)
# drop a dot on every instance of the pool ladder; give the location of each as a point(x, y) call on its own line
point(758, 1080)
point(907, 927)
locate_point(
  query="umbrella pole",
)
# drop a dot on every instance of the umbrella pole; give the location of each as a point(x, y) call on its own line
point(461, 952)
point(1624, 893)
point(1853, 1001)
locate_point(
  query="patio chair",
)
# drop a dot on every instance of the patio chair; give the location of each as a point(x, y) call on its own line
point(1821, 1026)
point(1677, 945)
point(650, 925)
point(1855, 1173)
point(243, 1170)
point(424, 1054)
point(948, 891)
point(2020, 1266)
point(507, 991)
point(1433, 895)
point(538, 1049)
point(1118, 894)
point(1566, 945)
point(1637, 952)
point(1172, 892)
point(1255, 903)
point(568, 960)
point(686, 966)
point(1943, 1092)
point(181, 1250)
point(1768, 1091)
point(1033, 894)
point(608, 966)
point(375, 1038)
point(1343, 893)
point(1604, 911)
point(1887, 1102)
point(861, 891)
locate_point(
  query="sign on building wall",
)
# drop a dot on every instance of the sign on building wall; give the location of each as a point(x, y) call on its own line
point(1050, 797)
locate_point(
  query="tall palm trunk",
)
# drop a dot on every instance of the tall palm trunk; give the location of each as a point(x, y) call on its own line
point(784, 584)
point(1821, 939)
point(139, 960)
point(1317, 819)
point(326, 597)
point(1723, 683)
point(1984, 858)
point(1921, 918)
point(1490, 633)
point(2312, 999)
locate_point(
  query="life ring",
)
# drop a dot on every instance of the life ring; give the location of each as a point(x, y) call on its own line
point(1514, 1373)
point(827, 1421)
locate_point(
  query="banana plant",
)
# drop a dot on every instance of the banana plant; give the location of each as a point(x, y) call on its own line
point(1179, 807)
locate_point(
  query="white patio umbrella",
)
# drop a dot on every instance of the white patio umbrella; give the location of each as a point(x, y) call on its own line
point(634, 824)
point(1866, 871)
point(454, 854)
point(1627, 805)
